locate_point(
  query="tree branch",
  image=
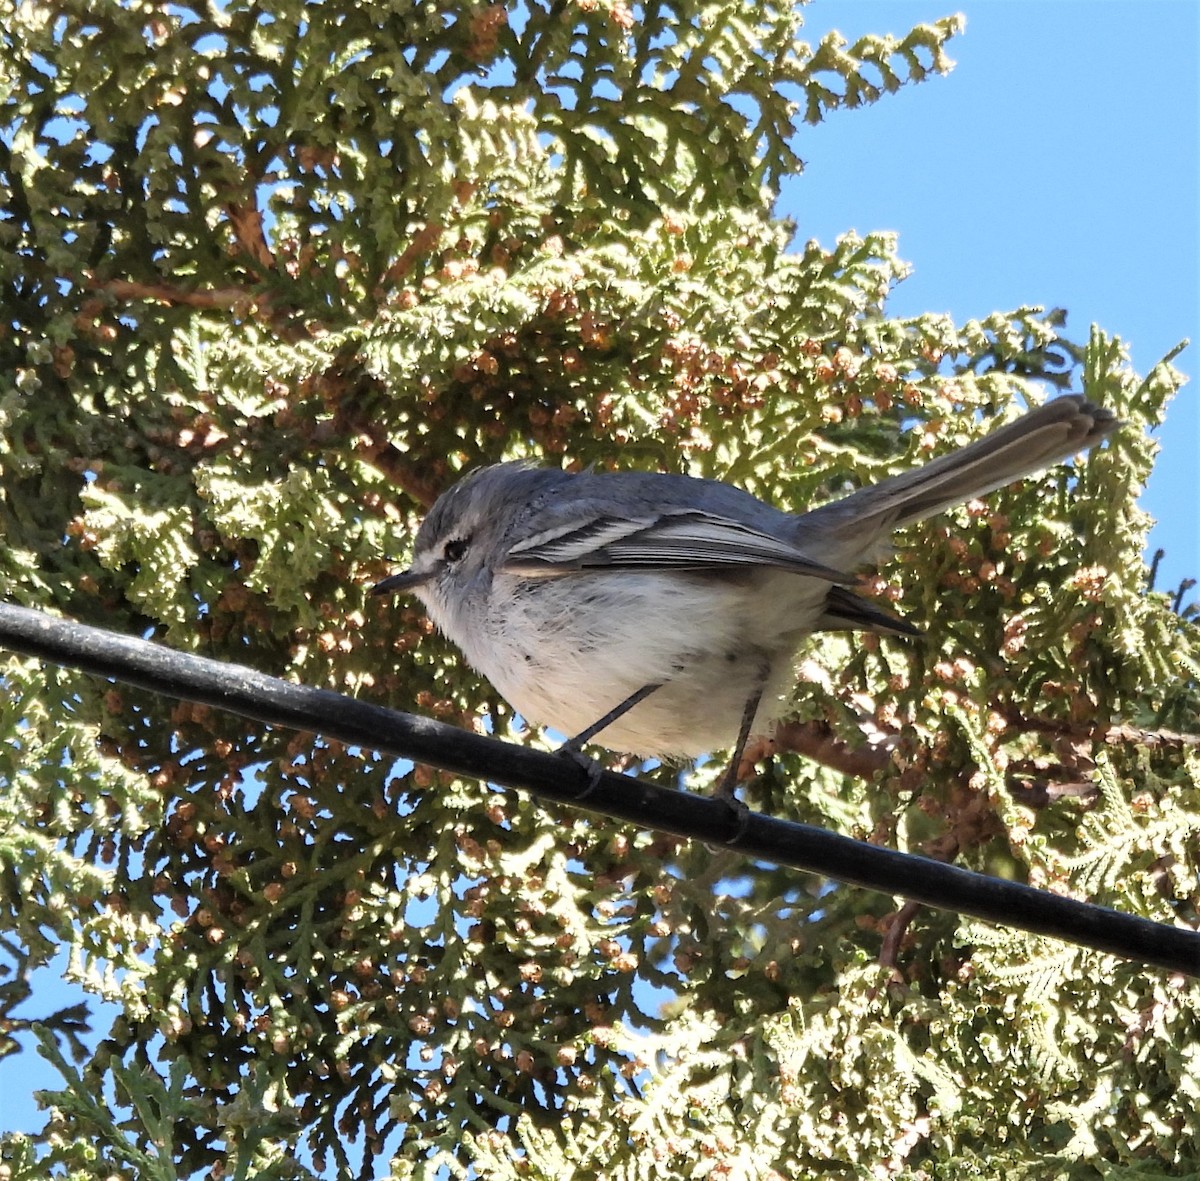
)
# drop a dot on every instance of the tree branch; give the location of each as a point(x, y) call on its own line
point(816, 740)
point(280, 703)
point(222, 297)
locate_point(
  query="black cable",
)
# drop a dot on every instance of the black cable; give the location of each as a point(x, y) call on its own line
point(280, 703)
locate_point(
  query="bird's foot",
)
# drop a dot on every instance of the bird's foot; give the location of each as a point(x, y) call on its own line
point(589, 766)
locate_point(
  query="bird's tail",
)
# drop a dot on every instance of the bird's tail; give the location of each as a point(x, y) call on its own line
point(1042, 437)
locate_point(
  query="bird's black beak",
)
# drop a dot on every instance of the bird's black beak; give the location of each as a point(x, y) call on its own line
point(406, 580)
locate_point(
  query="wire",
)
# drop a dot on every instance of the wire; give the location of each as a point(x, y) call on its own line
point(714, 821)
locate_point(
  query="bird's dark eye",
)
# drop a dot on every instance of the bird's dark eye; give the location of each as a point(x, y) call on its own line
point(454, 549)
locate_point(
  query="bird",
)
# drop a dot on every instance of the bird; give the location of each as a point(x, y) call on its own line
point(662, 615)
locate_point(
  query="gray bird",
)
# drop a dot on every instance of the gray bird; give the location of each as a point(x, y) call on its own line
point(662, 614)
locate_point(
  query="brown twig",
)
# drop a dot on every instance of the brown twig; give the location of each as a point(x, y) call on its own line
point(1110, 735)
point(390, 460)
point(1115, 734)
point(817, 741)
point(897, 924)
point(216, 297)
point(247, 223)
point(971, 820)
point(1040, 793)
point(373, 446)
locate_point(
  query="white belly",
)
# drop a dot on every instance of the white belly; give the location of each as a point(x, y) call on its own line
point(564, 651)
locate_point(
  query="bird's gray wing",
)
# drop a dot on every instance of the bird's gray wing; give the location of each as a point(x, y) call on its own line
point(676, 540)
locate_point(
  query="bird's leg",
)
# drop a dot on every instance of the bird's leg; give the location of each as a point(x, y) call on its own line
point(571, 748)
point(613, 714)
point(729, 780)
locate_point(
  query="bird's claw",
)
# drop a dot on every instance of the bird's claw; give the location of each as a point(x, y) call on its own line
point(590, 767)
point(741, 815)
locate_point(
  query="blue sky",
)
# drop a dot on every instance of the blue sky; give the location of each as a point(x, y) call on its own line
point(1057, 164)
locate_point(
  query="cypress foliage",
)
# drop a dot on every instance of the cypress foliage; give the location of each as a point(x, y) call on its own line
point(272, 275)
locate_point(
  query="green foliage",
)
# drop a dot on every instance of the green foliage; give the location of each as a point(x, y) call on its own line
point(272, 275)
